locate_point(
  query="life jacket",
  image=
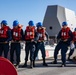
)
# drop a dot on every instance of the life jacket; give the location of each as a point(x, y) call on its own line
point(41, 33)
point(3, 32)
point(74, 36)
point(17, 34)
point(65, 33)
point(30, 33)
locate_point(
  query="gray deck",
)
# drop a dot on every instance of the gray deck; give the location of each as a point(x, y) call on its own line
point(52, 69)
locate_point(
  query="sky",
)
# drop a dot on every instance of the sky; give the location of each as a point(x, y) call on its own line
point(26, 10)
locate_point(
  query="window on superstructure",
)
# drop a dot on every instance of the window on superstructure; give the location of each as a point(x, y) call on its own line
point(50, 27)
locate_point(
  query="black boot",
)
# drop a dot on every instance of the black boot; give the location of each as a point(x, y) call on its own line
point(17, 65)
point(25, 64)
point(54, 62)
point(44, 64)
point(63, 65)
point(31, 64)
point(68, 58)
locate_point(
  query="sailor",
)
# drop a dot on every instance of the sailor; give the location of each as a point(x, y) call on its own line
point(41, 31)
point(5, 37)
point(29, 38)
point(17, 37)
point(65, 37)
point(73, 44)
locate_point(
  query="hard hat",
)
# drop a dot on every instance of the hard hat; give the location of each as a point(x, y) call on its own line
point(15, 23)
point(64, 24)
point(39, 24)
point(31, 23)
point(75, 29)
point(4, 22)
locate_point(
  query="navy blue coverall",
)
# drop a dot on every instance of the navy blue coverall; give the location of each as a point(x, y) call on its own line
point(29, 47)
point(5, 46)
point(40, 46)
point(63, 46)
point(16, 47)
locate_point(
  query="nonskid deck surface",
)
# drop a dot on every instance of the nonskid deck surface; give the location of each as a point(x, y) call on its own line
point(52, 69)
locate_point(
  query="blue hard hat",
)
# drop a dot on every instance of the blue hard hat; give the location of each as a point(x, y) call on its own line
point(4, 22)
point(64, 24)
point(15, 23)
point(31, 23)
point(75, 29)
point(39, 24)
